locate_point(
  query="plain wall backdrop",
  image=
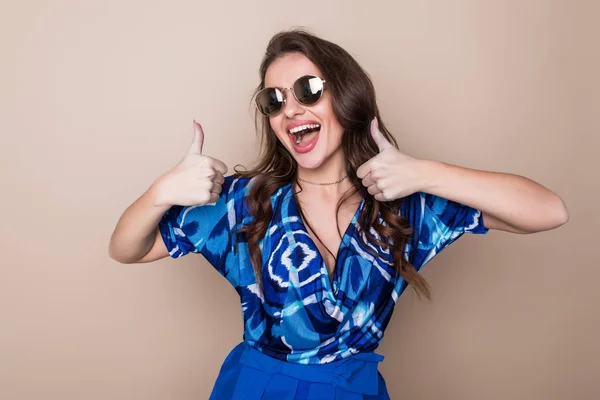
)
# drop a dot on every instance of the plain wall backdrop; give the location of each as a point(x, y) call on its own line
point(97, 100)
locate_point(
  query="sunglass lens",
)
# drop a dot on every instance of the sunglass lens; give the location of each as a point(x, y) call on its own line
point(269, 101)
point(308, 89)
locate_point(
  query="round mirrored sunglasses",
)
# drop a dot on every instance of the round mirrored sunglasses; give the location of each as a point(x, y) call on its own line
point(307, 90)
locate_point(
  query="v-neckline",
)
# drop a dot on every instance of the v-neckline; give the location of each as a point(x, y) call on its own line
point(330, 276)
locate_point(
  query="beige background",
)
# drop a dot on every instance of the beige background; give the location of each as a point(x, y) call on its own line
point(97, 99)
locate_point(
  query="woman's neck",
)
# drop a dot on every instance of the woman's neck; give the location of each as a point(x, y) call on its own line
point(332, 169)
point(328, 182)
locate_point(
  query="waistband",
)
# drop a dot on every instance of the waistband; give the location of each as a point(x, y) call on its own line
point(357, 373)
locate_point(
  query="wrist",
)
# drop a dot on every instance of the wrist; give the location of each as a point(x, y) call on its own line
point(432, 173)
point(156, 196)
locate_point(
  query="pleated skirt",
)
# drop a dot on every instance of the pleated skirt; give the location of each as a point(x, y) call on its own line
point(248, 374)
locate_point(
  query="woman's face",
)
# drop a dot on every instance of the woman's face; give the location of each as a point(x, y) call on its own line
point(318, 146)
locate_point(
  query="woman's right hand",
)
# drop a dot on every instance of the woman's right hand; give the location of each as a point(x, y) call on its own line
point(196, 180)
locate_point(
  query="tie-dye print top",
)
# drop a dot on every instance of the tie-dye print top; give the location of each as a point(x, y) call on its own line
point(302, 315)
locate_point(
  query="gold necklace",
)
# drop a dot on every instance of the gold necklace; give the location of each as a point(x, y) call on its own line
point(322, 183)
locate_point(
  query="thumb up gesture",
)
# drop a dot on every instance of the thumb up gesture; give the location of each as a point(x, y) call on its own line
point(391, 174)
point(196, 180)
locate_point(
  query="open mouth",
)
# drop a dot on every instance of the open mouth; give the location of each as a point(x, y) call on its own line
point(302, 133)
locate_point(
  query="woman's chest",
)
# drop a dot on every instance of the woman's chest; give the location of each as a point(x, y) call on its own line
point(326, 225)
point(297, 271)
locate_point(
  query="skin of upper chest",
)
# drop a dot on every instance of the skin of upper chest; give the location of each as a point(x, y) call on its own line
point(321, 216)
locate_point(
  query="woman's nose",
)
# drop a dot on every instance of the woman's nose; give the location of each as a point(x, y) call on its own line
point(291, 107)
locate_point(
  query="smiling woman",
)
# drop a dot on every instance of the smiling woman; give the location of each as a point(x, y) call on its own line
point(310, 106)
point(319, 267)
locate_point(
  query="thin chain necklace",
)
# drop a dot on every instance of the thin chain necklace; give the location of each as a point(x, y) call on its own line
point(322, 183)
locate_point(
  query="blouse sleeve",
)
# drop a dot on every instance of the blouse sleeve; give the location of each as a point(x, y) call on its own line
point(437, 222)
point(208, 229)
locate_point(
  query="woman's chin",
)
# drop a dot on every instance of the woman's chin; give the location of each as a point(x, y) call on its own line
point(309, 162)
point(314, 159)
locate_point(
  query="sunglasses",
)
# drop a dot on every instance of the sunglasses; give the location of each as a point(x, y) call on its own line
point(307, 90)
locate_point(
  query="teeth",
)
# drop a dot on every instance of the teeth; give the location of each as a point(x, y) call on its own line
point(303, 127)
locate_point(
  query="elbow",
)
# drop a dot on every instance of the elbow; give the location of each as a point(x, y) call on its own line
point(562, 213)
point(118, 259)
point(121, 260)
point(119, 256)
point(559, 213)
point(549, 219)
point(556, 217)
point(116, 256)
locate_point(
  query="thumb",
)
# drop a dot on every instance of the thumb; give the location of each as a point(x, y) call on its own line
point(196, 147)
point(381, 141)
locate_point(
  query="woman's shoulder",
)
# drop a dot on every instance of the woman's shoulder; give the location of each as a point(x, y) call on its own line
point(241, 184)
point(236, 184)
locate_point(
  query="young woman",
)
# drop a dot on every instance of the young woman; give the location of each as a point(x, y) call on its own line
point(324, 234)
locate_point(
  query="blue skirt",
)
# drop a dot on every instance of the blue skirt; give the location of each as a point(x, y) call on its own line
point(248, 374)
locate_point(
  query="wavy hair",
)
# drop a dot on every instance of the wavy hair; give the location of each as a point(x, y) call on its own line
point(354, 106)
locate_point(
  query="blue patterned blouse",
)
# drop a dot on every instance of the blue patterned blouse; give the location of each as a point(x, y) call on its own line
point(301, 315)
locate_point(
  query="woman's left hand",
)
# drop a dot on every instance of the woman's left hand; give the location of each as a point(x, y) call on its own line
point(391, 174)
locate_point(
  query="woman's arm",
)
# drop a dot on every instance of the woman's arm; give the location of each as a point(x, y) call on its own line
point(509, 202)
point(136, 237)
point(196, 180)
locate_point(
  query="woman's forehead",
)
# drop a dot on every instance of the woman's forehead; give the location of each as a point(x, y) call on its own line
point(284, 71)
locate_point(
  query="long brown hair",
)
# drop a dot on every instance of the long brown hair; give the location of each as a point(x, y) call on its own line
point(354, 106)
